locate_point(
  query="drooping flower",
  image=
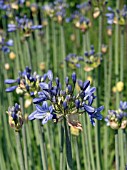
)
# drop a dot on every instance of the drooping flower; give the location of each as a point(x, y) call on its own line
point(15, 117)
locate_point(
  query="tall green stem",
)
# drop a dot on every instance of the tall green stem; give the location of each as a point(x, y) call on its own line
point(19, 150)
point(68, 147)
point(24, 136)
point(117, 150)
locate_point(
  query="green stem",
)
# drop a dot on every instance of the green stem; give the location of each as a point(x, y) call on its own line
point(68, 146)
point(117, 56)
point(121, 146)
point(19, 150)
point(77, 154)
point(61, 140)
point(63, 50)
point(42, 147)
point(51, 151)
point(117, 150)
point(24, 136)
point(55, 66)
point(86, 140)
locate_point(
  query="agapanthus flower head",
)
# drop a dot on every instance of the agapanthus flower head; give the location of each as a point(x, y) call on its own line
point(4, 5)
point(66, 103)
point(24, 24)
point(117, 118)
point(79, 21)
point(27, 83)
point(92, 59)
point(73, 60)
point(48, 10)
point(5, 44)
point(15, 117)
point(117, 17)
point(84, 7)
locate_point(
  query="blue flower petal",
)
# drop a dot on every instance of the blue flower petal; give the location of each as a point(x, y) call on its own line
point(89, 109)
point(10, 81)
point(39, 115)
point(50, 75)
point(86, 84)
point(39, 108)
point(11, 89)
point(44, 85)
point(31, 116)
point(45, 120)
point(37, 100)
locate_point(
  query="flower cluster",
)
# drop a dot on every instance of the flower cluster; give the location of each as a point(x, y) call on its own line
point(92, 59)
point(25, 25)
point(118, 17)
point(73, 60)
point(15, 117)
point(59, 103)
point(79, 21)
point(27, 83)
point(117, 118)
point(5, 44)
point(56, 10)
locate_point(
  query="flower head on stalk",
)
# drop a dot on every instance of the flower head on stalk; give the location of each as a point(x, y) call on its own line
point(92, 59)
point(117, 17)
point(65, 103)
point(117, 118)
point(79, 21)
point(15, 117)
point(73, 60)
point(25, 25)
point(5, 44)
point(56, 10)
point(26, 82)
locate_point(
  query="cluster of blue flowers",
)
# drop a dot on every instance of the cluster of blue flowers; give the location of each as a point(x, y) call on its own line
point(26, 83)
point(73, 60)
point(117, 118)
point(23, 24)
point(117, 17)
point(5, 44)
point(59, 103)
point(79, 21)
point(56, 10)
point(15, 117)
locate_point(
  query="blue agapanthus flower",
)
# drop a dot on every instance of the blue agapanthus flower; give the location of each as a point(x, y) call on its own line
point(44, 112)
point(24, 24)
point(66, 103)
point(73, 60)
point(27, 82)
point(117, 118)
point(5, 44)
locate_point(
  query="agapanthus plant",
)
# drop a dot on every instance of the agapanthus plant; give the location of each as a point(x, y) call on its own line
point(56, 10)
point(64, 103)
point(92, 59)
point(79, 21)
point(117, 17)
point(117, 118)
point(15, 117)
point(5, 44)
point(25, 25)
point(73, 60)
point(26, 82)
